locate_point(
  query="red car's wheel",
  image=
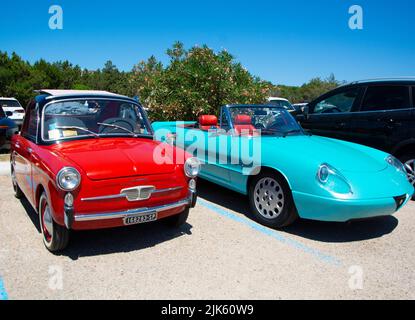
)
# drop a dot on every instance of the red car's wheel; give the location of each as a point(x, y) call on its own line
point(55, 237)
point(17, 191)
point(179, 219)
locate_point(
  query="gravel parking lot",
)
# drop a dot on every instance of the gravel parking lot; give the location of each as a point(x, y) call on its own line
point(219, 254)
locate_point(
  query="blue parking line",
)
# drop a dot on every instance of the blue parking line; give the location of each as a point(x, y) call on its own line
point(3, 293)
point(271, 233)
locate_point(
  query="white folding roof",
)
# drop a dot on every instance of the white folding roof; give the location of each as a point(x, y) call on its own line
point(66, 93)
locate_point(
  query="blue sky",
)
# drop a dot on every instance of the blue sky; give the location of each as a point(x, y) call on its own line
point(287, 42)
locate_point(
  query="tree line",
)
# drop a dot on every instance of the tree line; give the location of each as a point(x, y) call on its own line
point(195, 81)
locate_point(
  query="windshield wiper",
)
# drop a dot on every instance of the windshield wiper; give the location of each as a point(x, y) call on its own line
point(117, 127)
point(77, 128)
point(284, 134)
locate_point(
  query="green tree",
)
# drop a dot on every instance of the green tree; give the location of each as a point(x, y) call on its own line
point(196, 81)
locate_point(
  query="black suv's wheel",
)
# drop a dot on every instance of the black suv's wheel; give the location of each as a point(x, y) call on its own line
point(17, 191)
point(178, 220)
point(271, 200)
point(55, 237)
point(408, 160)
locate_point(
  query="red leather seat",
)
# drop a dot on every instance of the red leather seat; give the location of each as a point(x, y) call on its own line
point(243, 122)
point(206, 122)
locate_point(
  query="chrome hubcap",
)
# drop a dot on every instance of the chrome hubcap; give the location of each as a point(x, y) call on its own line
point(269, 198)
point(14, 179)
point(410, 170)
point(47, 222)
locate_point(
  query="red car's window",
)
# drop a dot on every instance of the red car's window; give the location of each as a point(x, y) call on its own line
point(89, 117)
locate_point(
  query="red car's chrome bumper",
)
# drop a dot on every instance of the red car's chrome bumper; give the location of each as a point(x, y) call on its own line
point(113, 219)
point(126, 214)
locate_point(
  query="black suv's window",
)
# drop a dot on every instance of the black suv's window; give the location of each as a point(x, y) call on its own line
point(386, 98)
point(340, 102)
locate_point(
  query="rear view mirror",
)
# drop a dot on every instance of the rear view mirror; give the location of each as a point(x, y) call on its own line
point(305, 111)
point(9, 113)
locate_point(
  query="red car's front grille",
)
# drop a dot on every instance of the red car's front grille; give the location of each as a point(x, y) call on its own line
point(104, 196)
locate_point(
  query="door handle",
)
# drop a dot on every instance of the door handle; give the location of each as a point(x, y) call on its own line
point(17, 145)
point(30, 150)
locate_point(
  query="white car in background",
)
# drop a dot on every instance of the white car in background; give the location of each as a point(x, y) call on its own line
point(12, 105)
point(282, 102)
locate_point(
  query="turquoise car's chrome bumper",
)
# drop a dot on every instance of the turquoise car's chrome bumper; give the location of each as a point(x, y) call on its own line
point(329, 209)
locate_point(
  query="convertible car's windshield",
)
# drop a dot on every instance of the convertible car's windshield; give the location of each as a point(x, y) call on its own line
point(270, 120)
point(90, 117)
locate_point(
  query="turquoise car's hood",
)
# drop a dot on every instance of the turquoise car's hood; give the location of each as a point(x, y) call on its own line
point(344, 156)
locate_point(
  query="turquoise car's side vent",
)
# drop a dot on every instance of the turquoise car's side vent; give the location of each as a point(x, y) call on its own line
point(400, 201)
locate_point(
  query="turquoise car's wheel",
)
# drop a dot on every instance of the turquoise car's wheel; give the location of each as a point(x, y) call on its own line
point(55, 237)
point(271, 201)
point(410, 169)
point(409, 162)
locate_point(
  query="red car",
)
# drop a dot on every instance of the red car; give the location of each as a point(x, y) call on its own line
point(88, 160)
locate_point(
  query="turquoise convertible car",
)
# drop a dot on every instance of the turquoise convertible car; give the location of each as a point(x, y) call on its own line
point(261, 151)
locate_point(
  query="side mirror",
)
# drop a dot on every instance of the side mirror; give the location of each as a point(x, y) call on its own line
point(9, 113)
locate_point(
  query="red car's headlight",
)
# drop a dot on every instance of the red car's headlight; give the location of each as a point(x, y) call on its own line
point(192, 167)
point(68, 179)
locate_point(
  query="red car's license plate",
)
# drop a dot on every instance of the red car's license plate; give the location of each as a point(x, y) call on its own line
point(142, 218)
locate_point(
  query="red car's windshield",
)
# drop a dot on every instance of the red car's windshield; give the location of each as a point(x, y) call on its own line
point(90, 117)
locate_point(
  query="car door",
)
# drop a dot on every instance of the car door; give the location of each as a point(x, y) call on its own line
point(243, 155)
point(383, 119)
point(330, 115)
point(211, 148)
point(24, 149)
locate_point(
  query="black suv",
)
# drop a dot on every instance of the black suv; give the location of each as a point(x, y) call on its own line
point(376, 113)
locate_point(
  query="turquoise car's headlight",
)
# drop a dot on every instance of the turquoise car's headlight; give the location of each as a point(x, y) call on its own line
point(396, 163)
point(332, 180)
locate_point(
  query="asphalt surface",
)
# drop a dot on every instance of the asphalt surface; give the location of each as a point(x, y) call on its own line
point(219, 254)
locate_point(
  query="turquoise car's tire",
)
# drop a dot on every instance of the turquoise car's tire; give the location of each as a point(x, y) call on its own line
point(55, 237)
point(178, 220)
point(408, 160)
point(271, 200)
point(17, 191)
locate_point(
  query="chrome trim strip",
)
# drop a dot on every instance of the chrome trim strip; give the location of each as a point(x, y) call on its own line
point(121, 195)
point(167, 190)
point(133, 212)
point(115, 196)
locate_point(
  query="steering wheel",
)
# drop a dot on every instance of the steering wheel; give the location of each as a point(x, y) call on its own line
point(259, 126)
point(124, 123)
point(330, 110)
